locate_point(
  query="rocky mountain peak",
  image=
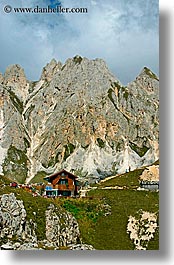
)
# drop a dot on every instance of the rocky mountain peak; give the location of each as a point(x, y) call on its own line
point(50, 70)
point(14, 73)
point(83, 76)
point(147, 72)
point(84, 63)
point(146, 80)
point(15, 80)
point(78, 116)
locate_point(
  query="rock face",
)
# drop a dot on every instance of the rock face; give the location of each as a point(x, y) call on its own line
point(62, 229)
point(17, 232)
point(78, 116)
point(13, 222)
point(150, 174)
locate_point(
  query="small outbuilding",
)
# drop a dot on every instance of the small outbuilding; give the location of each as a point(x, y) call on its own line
point(62, 183)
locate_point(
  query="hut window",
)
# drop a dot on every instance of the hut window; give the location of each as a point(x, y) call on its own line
point(63, 181)
point(66, 193)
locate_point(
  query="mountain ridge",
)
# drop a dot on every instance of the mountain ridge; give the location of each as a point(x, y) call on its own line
point(77, 116)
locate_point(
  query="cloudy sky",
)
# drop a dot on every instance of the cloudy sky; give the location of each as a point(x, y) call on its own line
point(122, 32)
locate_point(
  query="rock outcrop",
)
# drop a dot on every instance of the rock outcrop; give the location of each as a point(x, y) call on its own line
point(14, 225)
point(150, 174)
point(18, 232)
point(78, 116)
point(61, 229)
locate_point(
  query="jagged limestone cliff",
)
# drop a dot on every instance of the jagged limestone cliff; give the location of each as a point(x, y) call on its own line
point(78, 116)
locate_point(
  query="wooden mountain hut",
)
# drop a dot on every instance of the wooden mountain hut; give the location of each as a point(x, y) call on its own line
point(62, 183)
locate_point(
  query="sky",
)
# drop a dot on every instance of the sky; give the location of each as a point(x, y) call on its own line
point(125, 33)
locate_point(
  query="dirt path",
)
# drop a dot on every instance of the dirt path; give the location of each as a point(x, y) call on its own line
point(108, 178)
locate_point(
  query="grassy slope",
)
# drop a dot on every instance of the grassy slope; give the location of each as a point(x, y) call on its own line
point(103, 232)
point(110, 231)
point(85, 211)
point(32, 205)
point(129, 180)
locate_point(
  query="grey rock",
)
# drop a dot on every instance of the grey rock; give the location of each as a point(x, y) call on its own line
point(50, 70)
point(78, 116)
point(61, 230)
point(6, 247)
point(15, 80)
point(81, 247)
point(1, 78)
point(13, 221)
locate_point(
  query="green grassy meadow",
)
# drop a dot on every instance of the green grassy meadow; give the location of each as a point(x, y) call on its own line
point(102, 216)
